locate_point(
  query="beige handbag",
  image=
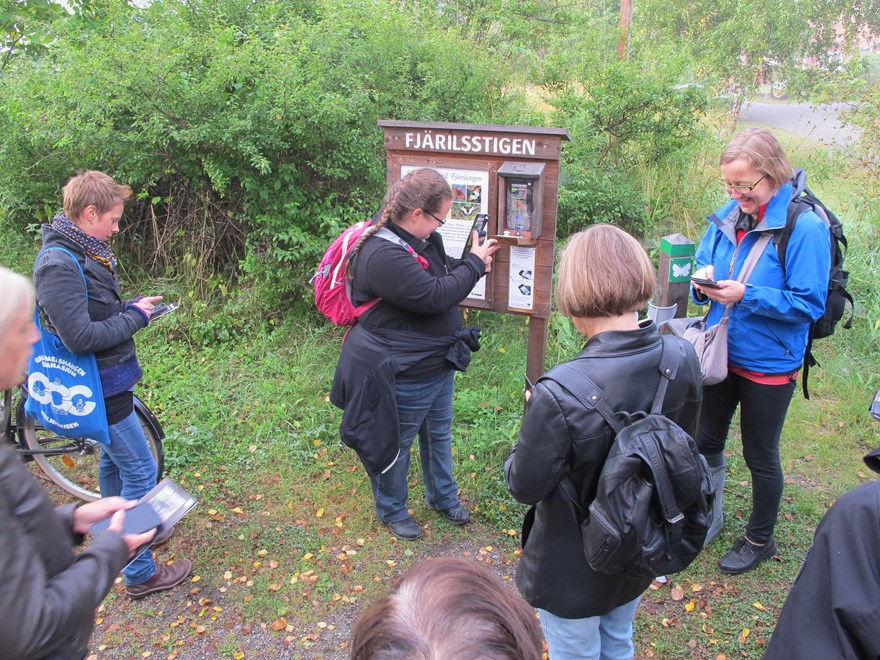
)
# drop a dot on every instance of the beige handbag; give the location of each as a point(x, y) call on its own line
point(711, 344)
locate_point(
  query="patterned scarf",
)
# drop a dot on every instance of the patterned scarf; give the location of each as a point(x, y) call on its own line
point(96, 250)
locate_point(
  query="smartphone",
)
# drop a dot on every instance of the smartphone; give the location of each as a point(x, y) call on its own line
point(161, 310)
point(138, 520)
point(480, 223)
point(702, 281)
point(529, 385)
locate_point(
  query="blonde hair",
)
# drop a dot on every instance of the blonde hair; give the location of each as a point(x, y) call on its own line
point(448, 608)
point(763, 152)
point(17, 291)
point(92, 188)
point(604, 272)
point(424, 189)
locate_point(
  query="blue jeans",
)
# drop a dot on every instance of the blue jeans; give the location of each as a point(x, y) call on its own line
point(423, 407)
point(606, 637)
point(127, 469)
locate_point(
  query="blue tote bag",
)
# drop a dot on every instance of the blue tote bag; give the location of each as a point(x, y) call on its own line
point(64, 388)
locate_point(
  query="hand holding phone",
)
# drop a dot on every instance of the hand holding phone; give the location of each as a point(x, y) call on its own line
point(480, 223)
point(161, 310)
point(704, 282)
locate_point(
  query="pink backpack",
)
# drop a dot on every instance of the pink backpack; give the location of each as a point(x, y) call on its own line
point(332, 288)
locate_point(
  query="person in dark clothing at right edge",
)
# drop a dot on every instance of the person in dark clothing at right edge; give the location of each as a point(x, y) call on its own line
point(833, 609)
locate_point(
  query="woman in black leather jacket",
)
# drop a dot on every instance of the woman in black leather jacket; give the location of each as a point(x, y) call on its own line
point(604, 278)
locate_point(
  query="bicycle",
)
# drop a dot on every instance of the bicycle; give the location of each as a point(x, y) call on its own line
point(71, 463)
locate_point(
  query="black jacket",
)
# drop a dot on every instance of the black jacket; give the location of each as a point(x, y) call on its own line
point(106, 328)
point(413, 299)
point(833, 609)
point(561, 440)
point(49, 595)
point(363, 385)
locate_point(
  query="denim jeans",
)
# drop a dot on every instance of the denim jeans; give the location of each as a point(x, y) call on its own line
point(424, 407)
point(127, 469)
point(606, 637)
point(762, 415)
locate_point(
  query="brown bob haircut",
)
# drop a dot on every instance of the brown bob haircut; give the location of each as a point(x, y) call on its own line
point(92, 188)
point(448, 608)
point(604, 272)
point(763, 152)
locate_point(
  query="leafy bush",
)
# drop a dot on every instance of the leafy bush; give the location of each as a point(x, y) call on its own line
point(248, 129)
point(626, 120)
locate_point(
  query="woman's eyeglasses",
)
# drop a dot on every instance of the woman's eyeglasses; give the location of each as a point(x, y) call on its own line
point(442, 221)
point(742, 188)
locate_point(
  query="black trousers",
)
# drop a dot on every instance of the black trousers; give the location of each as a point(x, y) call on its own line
point(762, 415)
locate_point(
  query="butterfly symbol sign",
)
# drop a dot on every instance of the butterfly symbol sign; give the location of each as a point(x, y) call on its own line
point(681, 270)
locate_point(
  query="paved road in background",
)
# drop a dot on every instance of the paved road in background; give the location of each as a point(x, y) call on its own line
point(820, 123)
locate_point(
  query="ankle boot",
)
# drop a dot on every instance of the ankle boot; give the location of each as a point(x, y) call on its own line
point(718, 472)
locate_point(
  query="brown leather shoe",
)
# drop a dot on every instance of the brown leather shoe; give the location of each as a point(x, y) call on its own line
point(164, 537)
point(166, 577)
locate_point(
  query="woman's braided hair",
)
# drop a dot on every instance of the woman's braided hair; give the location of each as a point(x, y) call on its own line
point(420, 189)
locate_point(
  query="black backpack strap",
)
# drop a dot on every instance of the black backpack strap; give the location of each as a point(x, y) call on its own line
point(588, 394)
point(795, 208)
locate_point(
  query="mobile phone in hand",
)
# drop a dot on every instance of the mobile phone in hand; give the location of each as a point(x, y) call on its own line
point(480, 223)
point(138, 520)
point(702, 281)
point(161, 310)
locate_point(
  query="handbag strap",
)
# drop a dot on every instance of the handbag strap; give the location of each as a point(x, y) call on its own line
point(81, 272)
point(750, 263)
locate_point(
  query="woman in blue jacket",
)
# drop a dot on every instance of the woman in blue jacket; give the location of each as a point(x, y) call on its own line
point(769, 323)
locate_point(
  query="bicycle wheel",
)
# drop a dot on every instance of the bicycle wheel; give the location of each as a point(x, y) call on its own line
point(72, 463)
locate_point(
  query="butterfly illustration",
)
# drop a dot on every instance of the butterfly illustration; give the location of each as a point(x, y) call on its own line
point(681, 270)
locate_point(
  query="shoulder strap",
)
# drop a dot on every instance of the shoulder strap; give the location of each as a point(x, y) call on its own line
point(391, 237)
point(795, 209)
point(37, 321)
point(754, 256)
point(591, 396)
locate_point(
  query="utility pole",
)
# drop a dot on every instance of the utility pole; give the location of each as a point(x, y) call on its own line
point(625, 23)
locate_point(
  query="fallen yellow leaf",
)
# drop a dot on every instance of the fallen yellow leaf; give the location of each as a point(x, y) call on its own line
point(320, 513)
point(689, 607)
point(758, 606)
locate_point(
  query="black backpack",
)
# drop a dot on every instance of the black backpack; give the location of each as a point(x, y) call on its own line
point(654, 501)
point(803, 199)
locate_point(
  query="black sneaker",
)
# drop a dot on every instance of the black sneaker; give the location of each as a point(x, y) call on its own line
point(406, 529)
point(745, 555)
point(457, 514)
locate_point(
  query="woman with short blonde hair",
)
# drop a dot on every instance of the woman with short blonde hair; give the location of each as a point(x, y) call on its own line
point(605, 276)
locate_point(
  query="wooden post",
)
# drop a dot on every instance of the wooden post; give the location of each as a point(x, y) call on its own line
point(625, 23)
point(674, 272)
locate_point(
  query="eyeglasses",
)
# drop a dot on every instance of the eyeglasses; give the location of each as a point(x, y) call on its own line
point(442, 221)
point(742, 188)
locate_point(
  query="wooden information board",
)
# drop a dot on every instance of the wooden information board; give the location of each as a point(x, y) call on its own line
point(510, 173)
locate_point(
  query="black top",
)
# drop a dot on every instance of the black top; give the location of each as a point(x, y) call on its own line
point(413, 298)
